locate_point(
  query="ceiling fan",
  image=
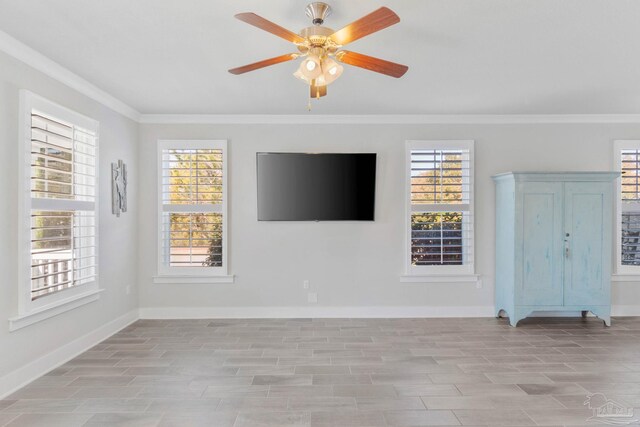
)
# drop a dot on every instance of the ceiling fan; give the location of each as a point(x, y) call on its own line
point(321, 47)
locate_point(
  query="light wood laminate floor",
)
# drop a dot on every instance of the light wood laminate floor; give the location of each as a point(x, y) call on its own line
point(340, 372)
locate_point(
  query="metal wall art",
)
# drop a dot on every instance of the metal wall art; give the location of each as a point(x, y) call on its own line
point(118, 187)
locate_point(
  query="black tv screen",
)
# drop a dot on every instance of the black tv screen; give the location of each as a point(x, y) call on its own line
point(316, 187)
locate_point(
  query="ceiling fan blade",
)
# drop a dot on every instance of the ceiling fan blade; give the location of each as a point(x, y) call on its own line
point(266, 25)
point(264, 63)
point(369, 24)
point(373, 64)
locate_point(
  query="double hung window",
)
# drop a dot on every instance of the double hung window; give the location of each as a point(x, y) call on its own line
point(59, 170)
point(192, 208)
point(440, 207)
point(627, 158)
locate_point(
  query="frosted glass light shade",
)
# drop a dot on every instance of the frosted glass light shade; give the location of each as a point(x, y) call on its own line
point(298, 74)
point(323, 74)
point(331, 70)
point(311, 67)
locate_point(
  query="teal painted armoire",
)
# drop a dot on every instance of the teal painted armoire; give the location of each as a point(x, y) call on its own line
point(553, 243)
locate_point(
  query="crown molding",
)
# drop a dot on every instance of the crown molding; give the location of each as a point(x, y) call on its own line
point(47, 66)
point(388, 119)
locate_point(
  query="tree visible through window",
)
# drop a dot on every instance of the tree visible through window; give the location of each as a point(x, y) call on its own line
point(192, 214)
point(441, 222)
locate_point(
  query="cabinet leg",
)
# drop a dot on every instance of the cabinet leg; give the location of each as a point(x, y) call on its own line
point(604, 314)
point(518, 315)
point(584, 313)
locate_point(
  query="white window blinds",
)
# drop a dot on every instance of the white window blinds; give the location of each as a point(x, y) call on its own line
point(630, 212)
point(63, 204)
point(192, 195)
point(441, 214)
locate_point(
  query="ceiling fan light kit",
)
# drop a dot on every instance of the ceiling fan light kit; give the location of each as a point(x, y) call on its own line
point(321, 47)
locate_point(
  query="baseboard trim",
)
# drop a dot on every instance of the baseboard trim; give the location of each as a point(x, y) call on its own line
point(625, 310)
point(315, 312)
point(346, 312)
point(33, 370)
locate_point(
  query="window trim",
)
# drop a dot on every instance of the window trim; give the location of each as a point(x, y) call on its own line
point(437, 273)
point(627, 273)
point(171, 275)
point(32, 311)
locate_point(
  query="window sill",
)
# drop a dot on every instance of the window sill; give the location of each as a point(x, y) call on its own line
point(49, 311)
point(440, 278)
point(179, 280)
point(625, 277)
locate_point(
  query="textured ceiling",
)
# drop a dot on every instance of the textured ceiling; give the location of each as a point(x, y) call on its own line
point(465, 56)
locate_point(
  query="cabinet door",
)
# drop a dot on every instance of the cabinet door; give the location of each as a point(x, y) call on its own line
point(587, 272)
point(539, 244)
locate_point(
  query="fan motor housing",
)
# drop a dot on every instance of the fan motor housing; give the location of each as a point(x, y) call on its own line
point(318, 36)
point(316, 31)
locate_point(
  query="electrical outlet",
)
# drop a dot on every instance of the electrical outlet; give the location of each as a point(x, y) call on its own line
point(305, 284)
point(312, 298)
point(479, 284)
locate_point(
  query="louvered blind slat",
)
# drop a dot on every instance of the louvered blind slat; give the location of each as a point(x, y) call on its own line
point(63, 242)
point(630, 181)
point(441, 220)
point(630, 194)
point(191, 193)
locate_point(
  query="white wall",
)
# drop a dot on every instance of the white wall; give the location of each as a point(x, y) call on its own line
point(354, 267)
point(20, 350)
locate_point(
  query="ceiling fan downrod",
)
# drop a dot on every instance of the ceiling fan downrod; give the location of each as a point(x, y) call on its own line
point(318, 12)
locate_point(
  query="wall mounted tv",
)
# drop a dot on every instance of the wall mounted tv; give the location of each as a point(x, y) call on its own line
point(316, 187)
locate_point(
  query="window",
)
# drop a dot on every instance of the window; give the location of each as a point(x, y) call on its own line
point(58, 208)
point(192, 209)
point(440, 207)
point(627, 157)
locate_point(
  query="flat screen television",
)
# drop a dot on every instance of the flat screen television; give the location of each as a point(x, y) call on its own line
point(316, 187)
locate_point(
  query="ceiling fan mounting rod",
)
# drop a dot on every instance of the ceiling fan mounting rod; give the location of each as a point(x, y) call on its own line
point(318, 12)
